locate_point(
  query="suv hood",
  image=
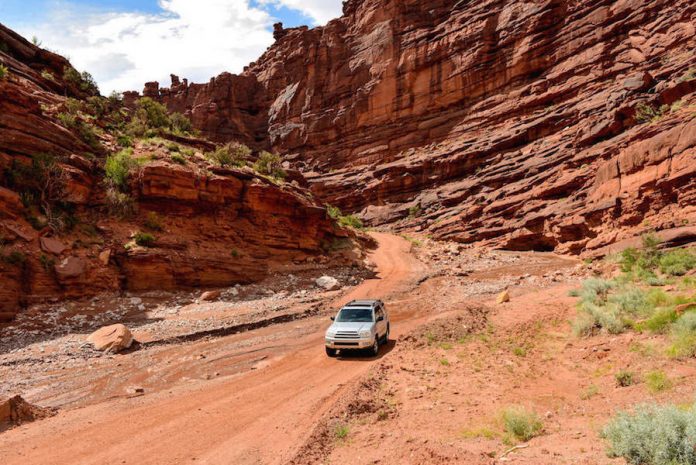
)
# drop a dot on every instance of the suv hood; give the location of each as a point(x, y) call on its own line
point(350, 326)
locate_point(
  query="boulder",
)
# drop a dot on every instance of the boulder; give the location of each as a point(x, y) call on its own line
point(209, 296)
point(52, 245)
point(503, 297)
point(327, 282)
point(114, 338)
point(71, 267)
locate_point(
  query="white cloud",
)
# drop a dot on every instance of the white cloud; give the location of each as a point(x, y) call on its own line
point(321, 11)
point(193, 39)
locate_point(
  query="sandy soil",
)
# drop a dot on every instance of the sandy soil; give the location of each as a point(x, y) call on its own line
point(271, 396)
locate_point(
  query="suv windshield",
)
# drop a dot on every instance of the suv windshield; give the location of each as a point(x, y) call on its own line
point(357, 315)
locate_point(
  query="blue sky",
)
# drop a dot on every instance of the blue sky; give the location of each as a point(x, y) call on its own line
point(125, 43)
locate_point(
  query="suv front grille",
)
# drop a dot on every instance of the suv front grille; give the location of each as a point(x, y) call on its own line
point(347, 335)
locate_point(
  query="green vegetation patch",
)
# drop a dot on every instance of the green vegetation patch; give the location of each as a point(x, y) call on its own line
point(349, 221)
point(653, 435)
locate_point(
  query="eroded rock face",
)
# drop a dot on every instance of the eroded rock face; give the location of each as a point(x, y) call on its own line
point(516, 124)
point(213, 227)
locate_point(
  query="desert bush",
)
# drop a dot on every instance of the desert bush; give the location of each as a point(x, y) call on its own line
point(595, 291)
point(522, 424)
point(653, 435)
point(152, 113)
point(657, 381)
point(342, 431)
point(180, 124)
point(646, 113)
point(684, 337)
point(270, 164)
point(153, 221)
point(124, 141)
point(119, 203)
point(178, 159)
point(350, 221)
point(660, 321)
point(15, 258)
point(144, 239)
point(4, 72)
point(231, 154)
point(118, 167)
point(624, 378)
point(677, 262)
point(85, 82)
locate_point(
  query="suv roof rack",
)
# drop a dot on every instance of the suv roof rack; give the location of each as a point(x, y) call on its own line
point(370, 302)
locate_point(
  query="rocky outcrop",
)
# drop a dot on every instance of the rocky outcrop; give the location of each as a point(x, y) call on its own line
point(552, 125)
point(176, 223)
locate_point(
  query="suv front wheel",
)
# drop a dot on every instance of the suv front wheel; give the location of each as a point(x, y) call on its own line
point(374, 350)
point(330, 352)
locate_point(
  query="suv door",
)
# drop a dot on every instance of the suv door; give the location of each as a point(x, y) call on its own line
point(381, 325)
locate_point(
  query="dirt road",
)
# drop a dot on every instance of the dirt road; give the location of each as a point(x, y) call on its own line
point(259, 416)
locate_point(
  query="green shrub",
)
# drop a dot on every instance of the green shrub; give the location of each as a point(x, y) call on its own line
point(118, 167)
point(684, 337)
point(521, 424)
point(646, 113)
point(657, 381)
point(124, 141)
point(153, 221)
point(173, 147)
point(270, 164)
point(677, 262)
point(4, 72)
point(624, 378)
point(180, 124)
point(178, 159)
point(231, 154)
point(153, 113)
point(350, 221)
point(46, 74)
point(342, 431)
point(85, 82)
point(653, 435)
point(48, 263)
point(660, 321)
point(596, 291)
point(414, 211)
point(15, 258)
point(144, 239)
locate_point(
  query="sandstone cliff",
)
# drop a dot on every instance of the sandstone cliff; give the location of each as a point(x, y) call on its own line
point(555, 124)
point(176, 221)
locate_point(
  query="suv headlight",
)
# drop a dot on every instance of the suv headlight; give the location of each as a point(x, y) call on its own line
point(330, 333)
point(365, 333)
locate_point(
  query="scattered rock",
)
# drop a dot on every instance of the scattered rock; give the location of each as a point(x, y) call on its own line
point(503, 297)
point(104, 257)
point(52, 245)
point(114, 338)
point(209, 296)
point(327, 282)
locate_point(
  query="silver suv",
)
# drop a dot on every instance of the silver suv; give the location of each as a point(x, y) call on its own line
point(361, 324)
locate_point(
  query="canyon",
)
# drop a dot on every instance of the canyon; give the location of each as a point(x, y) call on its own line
point(554, 125)
point(64, 231)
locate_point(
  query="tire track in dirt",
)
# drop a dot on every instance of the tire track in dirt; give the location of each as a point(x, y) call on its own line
point(256, 417)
